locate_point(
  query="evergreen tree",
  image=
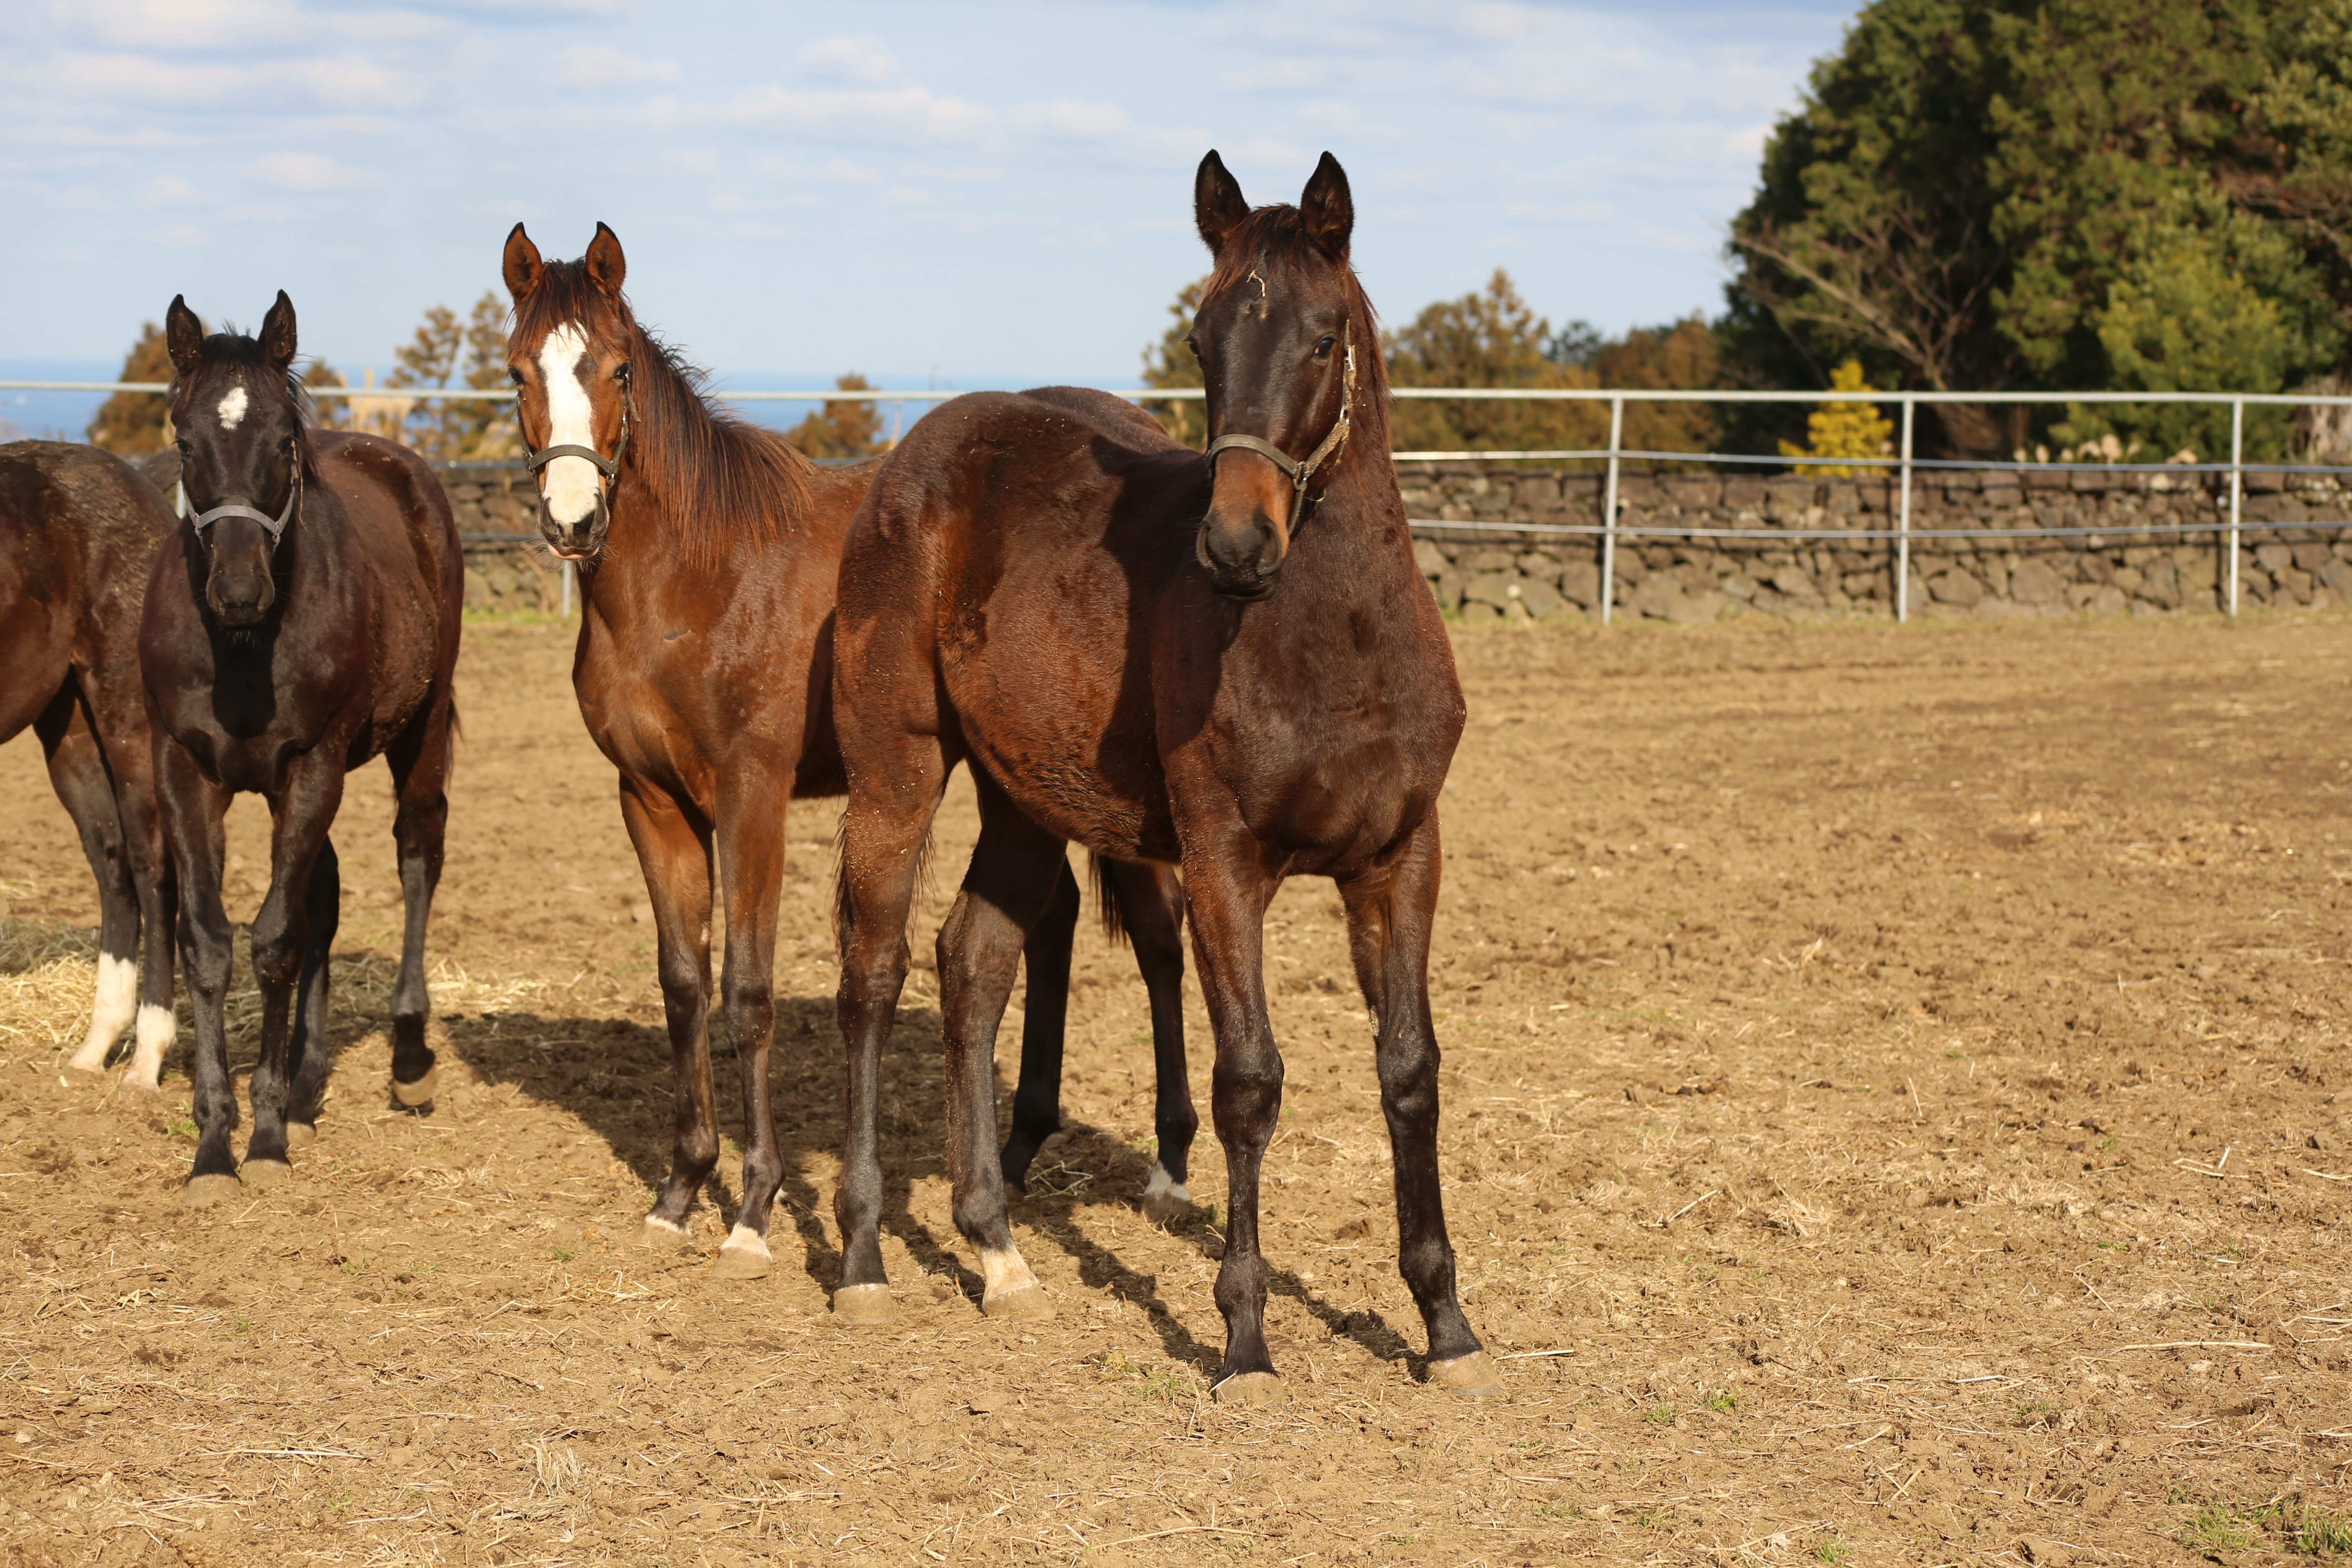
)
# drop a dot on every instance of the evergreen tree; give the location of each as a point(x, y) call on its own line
point(133, 423)
point(1989, 195)
point(1169, 363)
point(1843, 429)
point(850, 428)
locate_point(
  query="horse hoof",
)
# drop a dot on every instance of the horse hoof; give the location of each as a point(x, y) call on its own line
point(862, 1304)
point(743, 1255)
point(661, 1234)
point(1028, 1304)
point(265, 1173)
point(131, 1083)
point(1251, 1388)
point(204, 1191)
point(1166, 1201)
point(301, 1135)
point(415, 1096)
point(1473, 1376)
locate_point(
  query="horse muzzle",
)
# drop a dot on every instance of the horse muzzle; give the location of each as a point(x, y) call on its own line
point(580, 541)
point(1243, 559)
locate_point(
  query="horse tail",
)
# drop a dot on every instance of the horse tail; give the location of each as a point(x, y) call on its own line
point(1114, 919)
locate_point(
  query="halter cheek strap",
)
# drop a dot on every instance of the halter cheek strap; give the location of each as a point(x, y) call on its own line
point(1300, 472)
point(273, 526)
point(608, 466)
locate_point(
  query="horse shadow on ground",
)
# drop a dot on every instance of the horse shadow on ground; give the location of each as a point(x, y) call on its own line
point(614, 1075)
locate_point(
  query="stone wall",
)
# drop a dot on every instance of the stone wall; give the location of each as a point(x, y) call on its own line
point(2289, 555)
point(498, 500)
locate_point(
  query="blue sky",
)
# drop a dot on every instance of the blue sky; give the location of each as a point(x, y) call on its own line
point(971, 192)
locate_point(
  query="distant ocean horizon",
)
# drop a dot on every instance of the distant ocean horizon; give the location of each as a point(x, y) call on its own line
point(66, 415)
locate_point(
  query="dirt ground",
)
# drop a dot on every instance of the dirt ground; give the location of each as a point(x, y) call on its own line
point(1897, 1109)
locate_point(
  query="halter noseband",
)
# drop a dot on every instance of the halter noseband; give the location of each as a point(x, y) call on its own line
point(273, 526)
point(534, 460)
point(1299, 472)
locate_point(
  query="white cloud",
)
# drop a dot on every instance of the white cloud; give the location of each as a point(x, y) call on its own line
point(861, 60)
point(601, 65)
point(905, 115)
point(166, 190)
point(304, 172)
point(1068, 117)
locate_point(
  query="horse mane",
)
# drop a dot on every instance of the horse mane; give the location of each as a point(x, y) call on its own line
point(712, 475)
point(1273, 239)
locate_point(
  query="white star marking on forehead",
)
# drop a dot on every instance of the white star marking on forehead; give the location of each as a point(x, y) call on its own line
point(232, 408)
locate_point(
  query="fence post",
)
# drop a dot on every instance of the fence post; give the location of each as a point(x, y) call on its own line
point(1903, 526)
point(1609, 507)
point(2237, 457)
point(567, 590)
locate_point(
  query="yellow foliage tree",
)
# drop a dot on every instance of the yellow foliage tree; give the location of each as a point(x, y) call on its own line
point(1843, 429)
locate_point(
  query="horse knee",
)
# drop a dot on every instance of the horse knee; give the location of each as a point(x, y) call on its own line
point(1245, 1101)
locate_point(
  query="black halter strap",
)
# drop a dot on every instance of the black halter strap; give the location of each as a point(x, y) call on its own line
point(1300, 472)
point(273, 526)
point(608, 466)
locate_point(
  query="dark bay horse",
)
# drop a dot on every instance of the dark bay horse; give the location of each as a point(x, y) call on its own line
point(78, 532)
point(1230, 663)
point(303, 620)
point(708, 550)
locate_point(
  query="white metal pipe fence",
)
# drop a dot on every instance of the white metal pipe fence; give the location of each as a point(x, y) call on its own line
point(1609, 529)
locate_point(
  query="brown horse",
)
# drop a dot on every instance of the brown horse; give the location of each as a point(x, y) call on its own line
point(301, 621)
point(708, 550)
point(1229, 662)
point(78, 532)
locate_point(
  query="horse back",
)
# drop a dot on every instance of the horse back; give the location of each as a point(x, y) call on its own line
point(1038, 529)
point(403, 535)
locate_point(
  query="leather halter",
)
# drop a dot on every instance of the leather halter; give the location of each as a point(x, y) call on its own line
point(273, 526)
point(610, 467)
point(1300, 472)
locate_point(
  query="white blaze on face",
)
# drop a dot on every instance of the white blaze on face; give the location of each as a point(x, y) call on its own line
point(570, 483)
point(232, 408)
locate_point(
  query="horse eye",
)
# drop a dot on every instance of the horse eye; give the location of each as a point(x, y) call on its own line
point(514, 373)
point(1323, 349)
point(1195, 347)
point(621, 371)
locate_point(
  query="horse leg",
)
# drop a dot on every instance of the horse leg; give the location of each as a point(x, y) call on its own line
point(419, 760)
point(192, 810)
point(304, 810)
point(1389, 910)
point(751, 843)
point(1018, 871)
point(78, 770)
point(1151, 910)
point(1037, 1100)
point(308, 1063)
point(674, 855)
point(120, 721)
point(1226, 894)
point(883, 834)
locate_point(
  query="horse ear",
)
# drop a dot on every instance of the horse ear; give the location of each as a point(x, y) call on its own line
point(1327, 208)
point(606, 265)
point(278, 344)
point(523, 265)
point(1218, 205)
point(184, 335)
